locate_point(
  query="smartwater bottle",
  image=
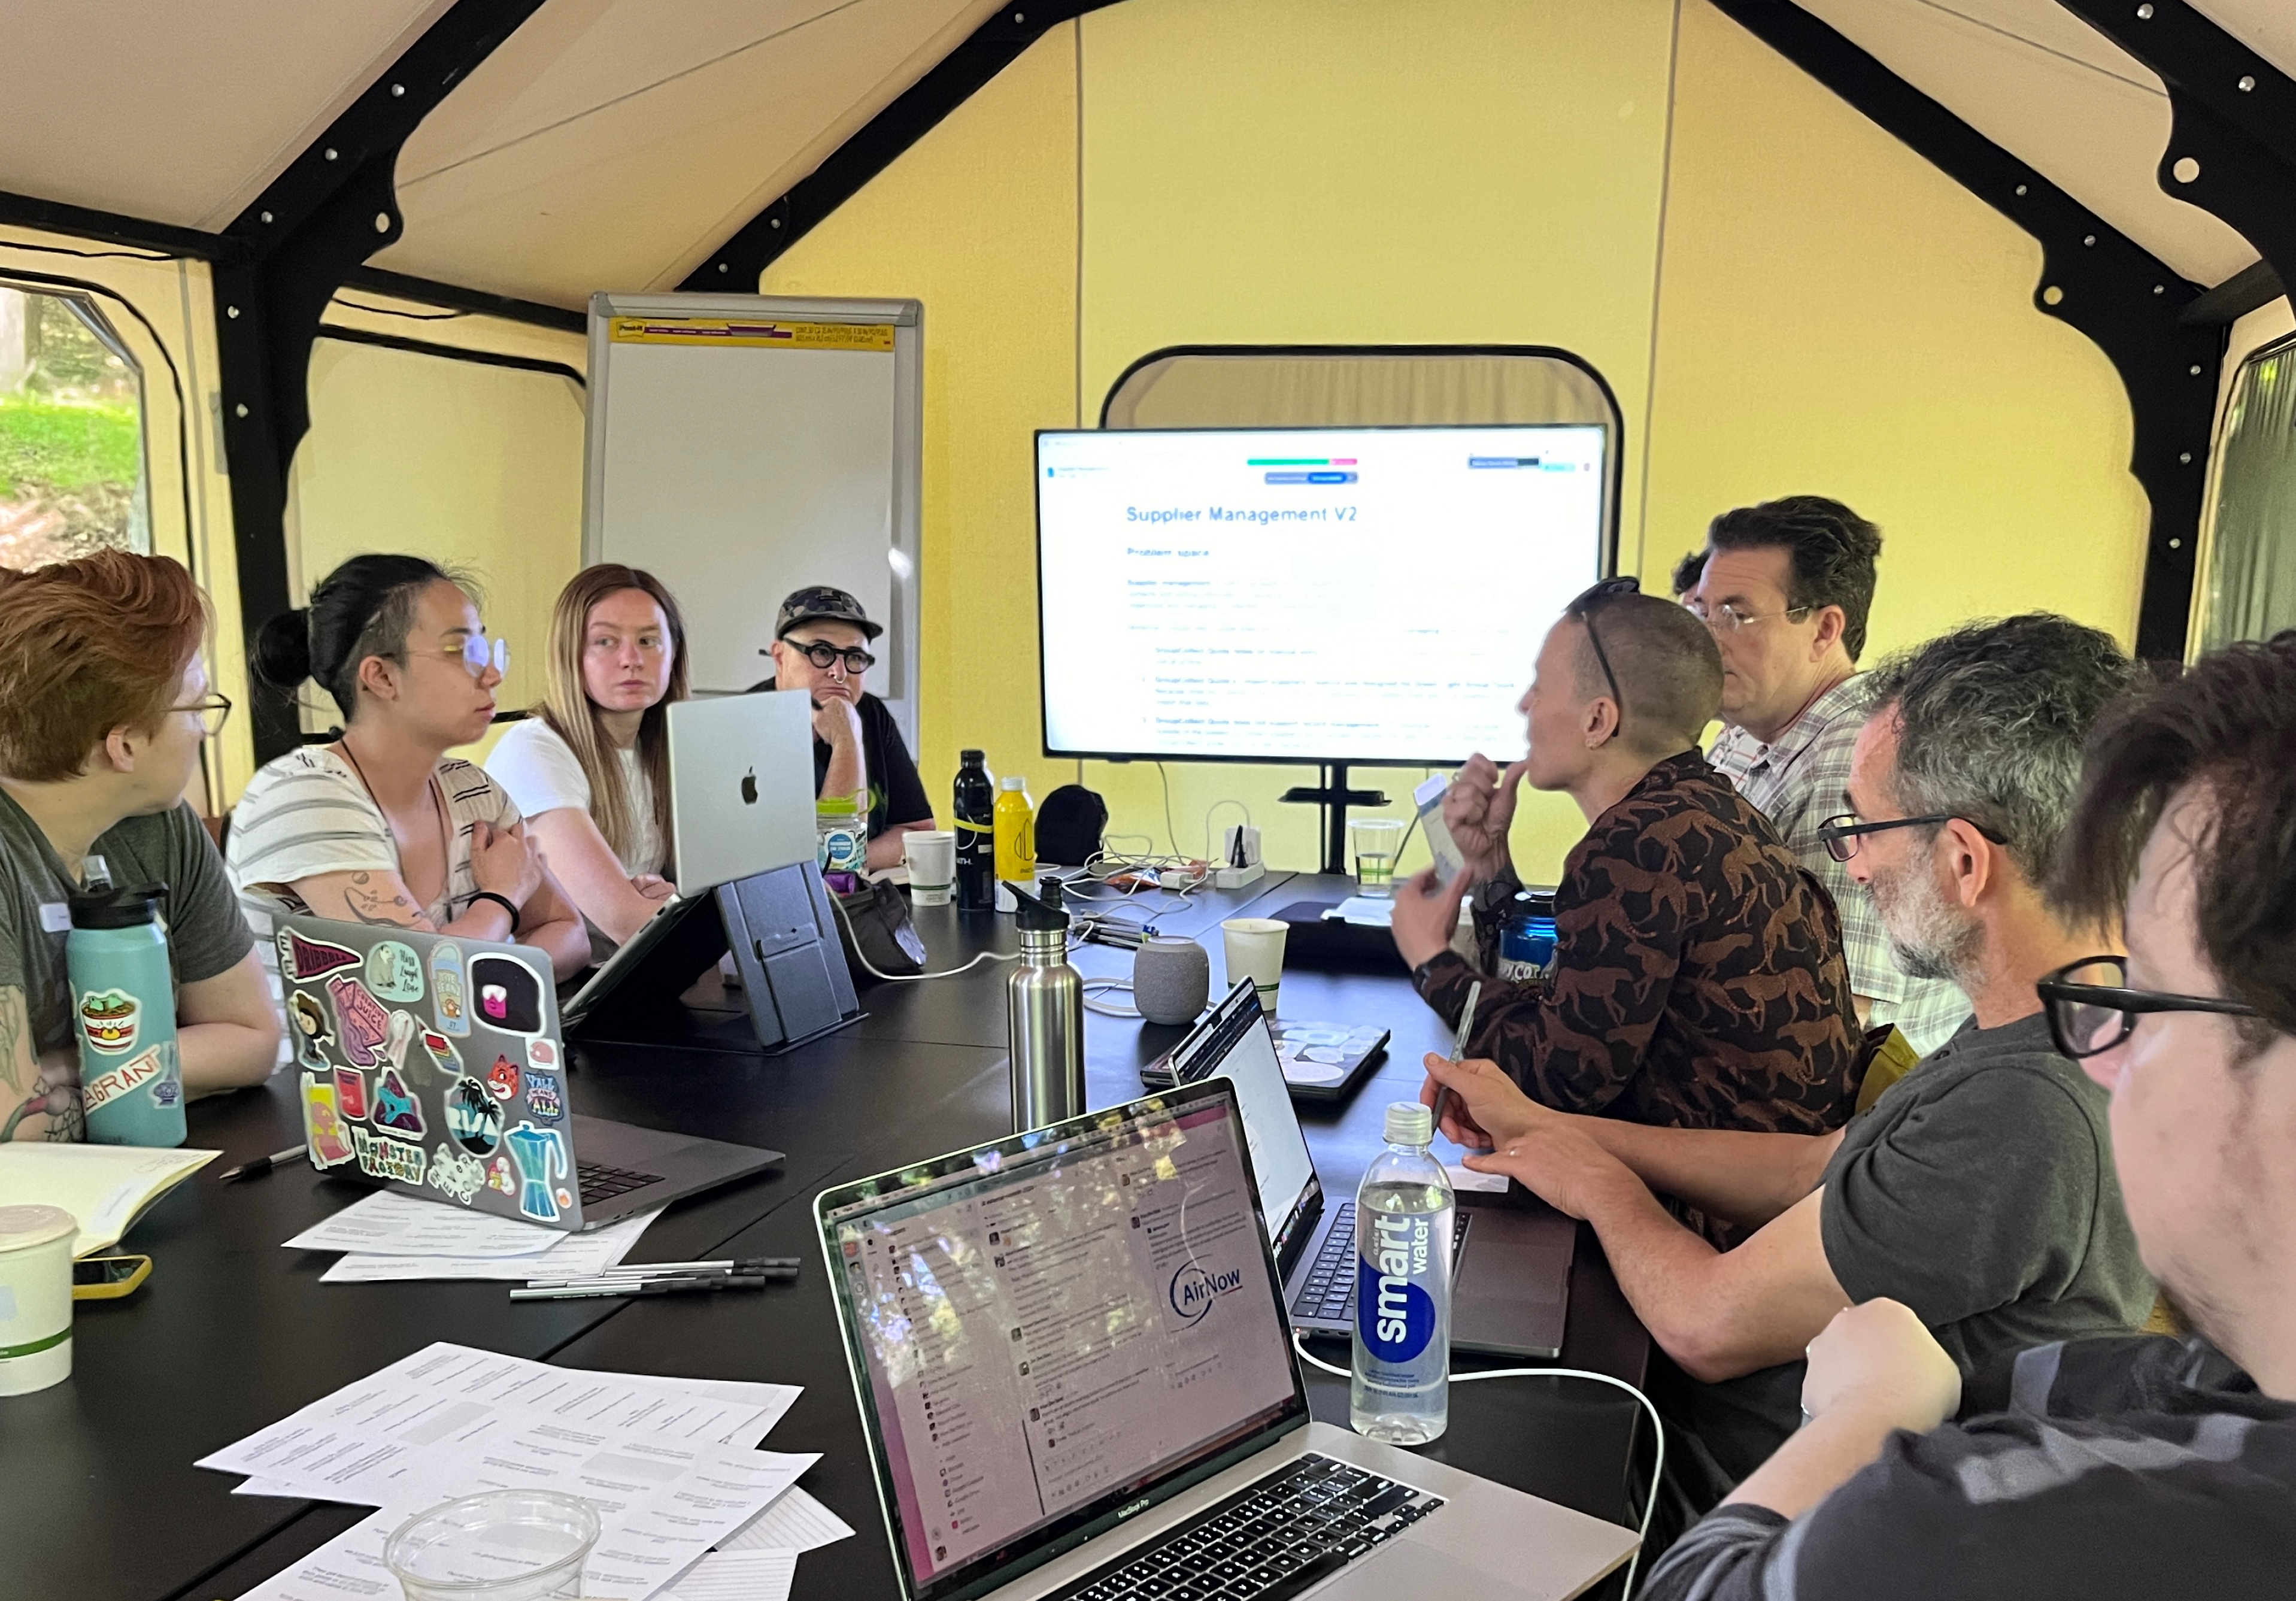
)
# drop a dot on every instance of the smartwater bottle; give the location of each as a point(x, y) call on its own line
point(1401, 1389)
point(976, 866)
point(124, 1007)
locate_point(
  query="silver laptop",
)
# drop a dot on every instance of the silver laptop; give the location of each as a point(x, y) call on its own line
point(741, 803)
point(1510, 1264)
point(1074, 1371)
point(433, 1065)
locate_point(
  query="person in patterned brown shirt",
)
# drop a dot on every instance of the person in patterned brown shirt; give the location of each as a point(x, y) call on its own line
point(1698, 980)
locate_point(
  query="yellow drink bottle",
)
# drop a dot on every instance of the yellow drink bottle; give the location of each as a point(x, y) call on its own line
point(1015, 819)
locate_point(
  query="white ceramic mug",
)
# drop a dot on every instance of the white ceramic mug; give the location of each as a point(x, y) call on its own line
point(1255, 951)
point(931, 856)
point(36, 1307)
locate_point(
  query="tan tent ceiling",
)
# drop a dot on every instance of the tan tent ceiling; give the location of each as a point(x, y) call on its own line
point(612, 143)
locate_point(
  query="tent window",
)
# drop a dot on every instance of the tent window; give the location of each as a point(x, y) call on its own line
point(2247, 588)
point(71, 432)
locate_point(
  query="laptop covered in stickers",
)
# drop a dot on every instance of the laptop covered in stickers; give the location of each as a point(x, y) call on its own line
point(433, 1065)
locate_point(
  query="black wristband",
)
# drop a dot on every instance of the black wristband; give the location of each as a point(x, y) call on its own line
point(502, 901)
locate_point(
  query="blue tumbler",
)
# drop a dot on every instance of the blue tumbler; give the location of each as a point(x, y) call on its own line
point(124, 1004)
point(1527, 938)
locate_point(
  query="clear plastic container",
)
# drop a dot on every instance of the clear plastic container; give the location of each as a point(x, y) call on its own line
point(507, 1544)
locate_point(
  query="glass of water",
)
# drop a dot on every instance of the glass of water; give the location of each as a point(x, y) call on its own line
point(1375, 840)
point(506, 1545)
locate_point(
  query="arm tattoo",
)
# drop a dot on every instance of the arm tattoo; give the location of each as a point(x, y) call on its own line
point(16, 1050)
point(377, 910)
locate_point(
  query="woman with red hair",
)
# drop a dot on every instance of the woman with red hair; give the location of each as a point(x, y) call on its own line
point(105, 701)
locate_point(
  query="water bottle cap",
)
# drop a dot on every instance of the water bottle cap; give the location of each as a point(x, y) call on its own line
point(1408, 1123)
point(1013, 781)
point(108, 908)
point(972, 759)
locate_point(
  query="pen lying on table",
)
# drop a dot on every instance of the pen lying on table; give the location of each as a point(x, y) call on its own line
point(261, 1164)
point(747, 1276)
point(753, 1264)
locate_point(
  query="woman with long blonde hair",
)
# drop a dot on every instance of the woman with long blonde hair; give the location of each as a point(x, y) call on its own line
point(590, 769)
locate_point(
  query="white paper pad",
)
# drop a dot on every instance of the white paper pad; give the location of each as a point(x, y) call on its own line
point(1365, 911)
point(755, 1575)
point(395, 1225)
point(795, 1522)
point(574, 1256)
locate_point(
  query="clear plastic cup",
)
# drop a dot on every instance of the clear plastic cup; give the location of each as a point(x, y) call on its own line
point(506, 1545)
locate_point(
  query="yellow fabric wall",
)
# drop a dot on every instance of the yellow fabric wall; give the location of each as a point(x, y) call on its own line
point(1830, 312)
point(476, 467)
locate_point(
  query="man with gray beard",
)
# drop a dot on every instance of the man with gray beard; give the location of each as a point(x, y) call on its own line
point(1980, 1189)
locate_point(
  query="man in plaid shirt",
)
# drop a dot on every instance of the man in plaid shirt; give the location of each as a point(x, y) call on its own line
point(1785, 587)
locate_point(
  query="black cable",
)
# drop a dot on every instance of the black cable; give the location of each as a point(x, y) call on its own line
point(412, 317)
point(1171, 838)
point(58, 250)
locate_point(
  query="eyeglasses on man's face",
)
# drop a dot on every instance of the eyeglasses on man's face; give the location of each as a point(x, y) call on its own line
point(2092, 1009)
point(825, 655)
point(212, 709)
point(1584, 608)
point(1727, 618)
point(1841, 833)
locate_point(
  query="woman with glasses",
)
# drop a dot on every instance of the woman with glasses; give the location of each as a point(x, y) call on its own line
point(820, 646)
point(379, 824)
point(590, 769)
point(104, 704)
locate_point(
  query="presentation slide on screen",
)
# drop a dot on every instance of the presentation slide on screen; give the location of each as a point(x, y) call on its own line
point(1363, 594)
point(1036, 1345)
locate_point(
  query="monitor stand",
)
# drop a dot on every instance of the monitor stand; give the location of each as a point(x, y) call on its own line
point(794, 983)
point(1333, 795)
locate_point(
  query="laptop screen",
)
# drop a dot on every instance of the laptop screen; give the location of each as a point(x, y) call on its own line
point(1045, 1335)
point(1233, 1042)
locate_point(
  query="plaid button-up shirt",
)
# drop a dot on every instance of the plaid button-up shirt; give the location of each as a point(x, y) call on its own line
point(1797, 781)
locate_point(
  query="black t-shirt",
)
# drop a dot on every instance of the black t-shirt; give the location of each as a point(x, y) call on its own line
point(2135, 1466)
point(896, 794)
point(1980, 1190)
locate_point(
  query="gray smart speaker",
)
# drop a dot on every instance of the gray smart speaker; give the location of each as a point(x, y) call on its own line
point(1171, 980)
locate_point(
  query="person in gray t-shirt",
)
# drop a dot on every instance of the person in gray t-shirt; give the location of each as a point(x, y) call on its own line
point(1980, 1189)
point(103, 704)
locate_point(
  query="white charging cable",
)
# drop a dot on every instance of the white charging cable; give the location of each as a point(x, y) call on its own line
point(1096, 986)
point(1658, 1427)
point(912, 978)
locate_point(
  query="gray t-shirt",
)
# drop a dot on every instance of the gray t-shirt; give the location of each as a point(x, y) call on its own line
point(206, 935)
point(1980, 1190)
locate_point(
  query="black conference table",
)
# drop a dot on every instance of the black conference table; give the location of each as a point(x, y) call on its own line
point(231, 1332)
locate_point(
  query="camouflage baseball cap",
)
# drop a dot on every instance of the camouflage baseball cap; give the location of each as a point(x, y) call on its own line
point(821, 604)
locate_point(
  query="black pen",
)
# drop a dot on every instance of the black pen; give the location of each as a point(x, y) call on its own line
point(658, 1286)
point(260, 1165)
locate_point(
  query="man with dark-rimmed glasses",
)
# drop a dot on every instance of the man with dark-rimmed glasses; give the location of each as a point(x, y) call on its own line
point(821, 639)
point(1697, 980)
point(1979, 1188)
point(2136, 1466)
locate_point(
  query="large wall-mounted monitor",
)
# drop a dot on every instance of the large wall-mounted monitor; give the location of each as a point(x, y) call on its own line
point(1309, 594)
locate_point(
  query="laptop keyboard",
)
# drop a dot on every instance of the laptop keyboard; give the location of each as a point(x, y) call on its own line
point(1270, 1540)
point(1328, 1292)
point(599, 1183)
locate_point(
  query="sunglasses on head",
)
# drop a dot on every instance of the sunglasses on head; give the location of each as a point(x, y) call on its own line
point(1583, 609)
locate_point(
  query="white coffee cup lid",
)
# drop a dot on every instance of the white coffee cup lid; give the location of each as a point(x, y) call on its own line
point(23, 1228)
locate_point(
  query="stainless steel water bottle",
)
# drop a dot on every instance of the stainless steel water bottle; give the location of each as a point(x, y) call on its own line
point(1043, 1002)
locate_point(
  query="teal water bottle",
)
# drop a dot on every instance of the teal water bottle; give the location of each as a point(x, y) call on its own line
point(123, 1009)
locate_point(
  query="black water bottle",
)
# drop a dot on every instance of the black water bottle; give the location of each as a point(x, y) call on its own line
point(976, 837)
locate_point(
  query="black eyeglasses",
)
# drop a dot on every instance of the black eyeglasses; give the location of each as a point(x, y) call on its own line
point(825, 655)
point(2091, 1008)
point(1583, 609)
point(1839, 833)
point(211, 710)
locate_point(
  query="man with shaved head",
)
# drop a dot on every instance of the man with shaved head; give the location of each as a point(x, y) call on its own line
point(1698, 980)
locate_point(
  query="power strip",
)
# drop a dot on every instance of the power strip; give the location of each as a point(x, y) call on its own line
point(1236, 878)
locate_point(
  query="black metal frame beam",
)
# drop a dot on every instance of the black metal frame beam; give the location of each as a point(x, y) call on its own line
point(2093, 278)
point(290, 250)
point(877, 143)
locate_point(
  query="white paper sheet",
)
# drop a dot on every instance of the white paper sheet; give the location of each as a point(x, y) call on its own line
point(753, 1575)
point(644, 1541)
point(574, 1256)
point(396, 1225)
point(794, 1522)
point(1467, 1179)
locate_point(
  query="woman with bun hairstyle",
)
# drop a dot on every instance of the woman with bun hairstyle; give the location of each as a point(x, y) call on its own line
point(381, 825)
point(590, 769)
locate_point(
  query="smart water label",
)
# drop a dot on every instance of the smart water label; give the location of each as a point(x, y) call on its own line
point(1394, 1310)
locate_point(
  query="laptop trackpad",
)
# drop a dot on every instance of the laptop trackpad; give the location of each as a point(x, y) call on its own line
point(1405, 1567)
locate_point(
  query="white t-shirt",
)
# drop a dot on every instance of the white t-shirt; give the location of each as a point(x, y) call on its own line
point(540, 771)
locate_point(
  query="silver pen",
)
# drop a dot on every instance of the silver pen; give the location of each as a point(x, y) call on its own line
point(1458, 1048)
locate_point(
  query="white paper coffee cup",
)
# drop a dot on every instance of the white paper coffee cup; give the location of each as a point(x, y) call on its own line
point(931, 856)
point(36, 1307)
point(1255, 951)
